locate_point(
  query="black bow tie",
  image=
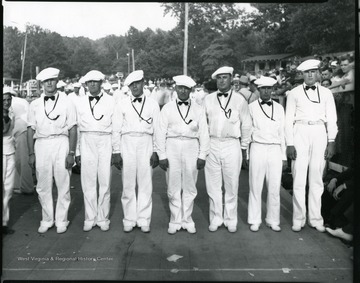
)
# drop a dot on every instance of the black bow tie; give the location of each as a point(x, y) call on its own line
point(139, 99)
point(312, 87)
point(183, 102)
point(91, 98)
point(269, 103)
point(222, 94)
point(49, 97)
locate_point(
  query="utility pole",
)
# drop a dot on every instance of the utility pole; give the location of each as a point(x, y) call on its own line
point(128, 55)
point(133, 60)
point(23, 60)
point(186, 37)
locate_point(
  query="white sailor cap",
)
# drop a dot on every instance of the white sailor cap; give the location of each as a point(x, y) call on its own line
point(60, 84)
point(7, 89)
point(184, 81)
point(93, 75)
point(135, 76)
point(222, 70)
point(252, 78)
point(125, 89)
point(151, 85)
point(265, 81)
point(48, 73)
point(81, 81)
point(244, 80)
point(307, 65)
point(106, 86)
point(76, 84)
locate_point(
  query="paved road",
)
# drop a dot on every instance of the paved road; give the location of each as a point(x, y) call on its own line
point(308, 256)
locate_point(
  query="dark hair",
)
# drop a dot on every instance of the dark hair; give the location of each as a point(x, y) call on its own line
point(210, 85)
point(326, 80)
point(326, 68)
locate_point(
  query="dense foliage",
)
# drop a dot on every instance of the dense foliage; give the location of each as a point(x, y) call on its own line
point(219, 33)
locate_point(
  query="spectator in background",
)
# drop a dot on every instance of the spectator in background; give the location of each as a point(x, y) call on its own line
point(326, 73)
point(8, 155)
point(107, 88)
point(255, 94)
point(24, 181)
point(244, 90)
point(236, 84)
point(338, 200)
point(326, 83)
point(61, 86)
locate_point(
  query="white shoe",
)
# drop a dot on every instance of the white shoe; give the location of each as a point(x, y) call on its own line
point(87, 227)
point(105, 227)
point(128, 229)
point(232, 229)
point(274, 227)
point(296, 228)
point(340, 234)
point(191, 230)
point(320, 228)
point(171, 231)
point(43, 229)
point(61, 229)
point(145, 229)
point(213, 228)
point(254, 227)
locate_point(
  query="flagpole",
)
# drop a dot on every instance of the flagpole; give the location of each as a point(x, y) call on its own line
point(186, 37)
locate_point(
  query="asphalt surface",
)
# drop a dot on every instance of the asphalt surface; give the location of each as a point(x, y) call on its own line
point(245, 256)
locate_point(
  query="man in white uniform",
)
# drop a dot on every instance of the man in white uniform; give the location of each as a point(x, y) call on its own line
point(267, 156)
point(229, 128)
point(310, 132)
point(138, 116)
point(96, 146)
point(8, 158)
point(52, 123)
point(183, 142)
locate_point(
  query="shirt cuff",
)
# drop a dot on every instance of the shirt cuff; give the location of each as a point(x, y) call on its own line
point(162, 156)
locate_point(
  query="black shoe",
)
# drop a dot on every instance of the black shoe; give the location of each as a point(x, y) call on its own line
point(6, 230)
point(76, 169)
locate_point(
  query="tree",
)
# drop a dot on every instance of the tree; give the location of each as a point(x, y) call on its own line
point(12, 46)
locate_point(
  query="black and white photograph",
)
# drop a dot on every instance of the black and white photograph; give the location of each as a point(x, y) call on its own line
point(180, 141)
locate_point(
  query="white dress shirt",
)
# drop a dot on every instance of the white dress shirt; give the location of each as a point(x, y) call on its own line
point(172, 125)
point(43, 125)
point(89, 115)
point(268, 124)
point(128, 120)
point(299, 107)
point(237, 123)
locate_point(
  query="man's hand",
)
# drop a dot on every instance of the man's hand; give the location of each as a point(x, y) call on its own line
point(337, 191)
point(69, 161)
point(78, 160)
point(332, 185)
point(200, 164)
point(164, 164)
point(284, 165)
point(116, 160)
point(330, 150)
point(154, 160)
point(291, 152)
point(32, 161)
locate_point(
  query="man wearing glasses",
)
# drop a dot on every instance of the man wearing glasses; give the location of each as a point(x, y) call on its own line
point(310, 132)
point(229, 128)
point(138, 117)
point(51, 137)
point(97, 149)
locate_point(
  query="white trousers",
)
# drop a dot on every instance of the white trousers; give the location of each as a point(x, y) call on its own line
point(182, 174)
point(223, 164)
point(96, 151)
point(136, 154)
point(8, 184)
point(310, 142)
point(265, 164)
point(50, 156)
point(23, 173)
